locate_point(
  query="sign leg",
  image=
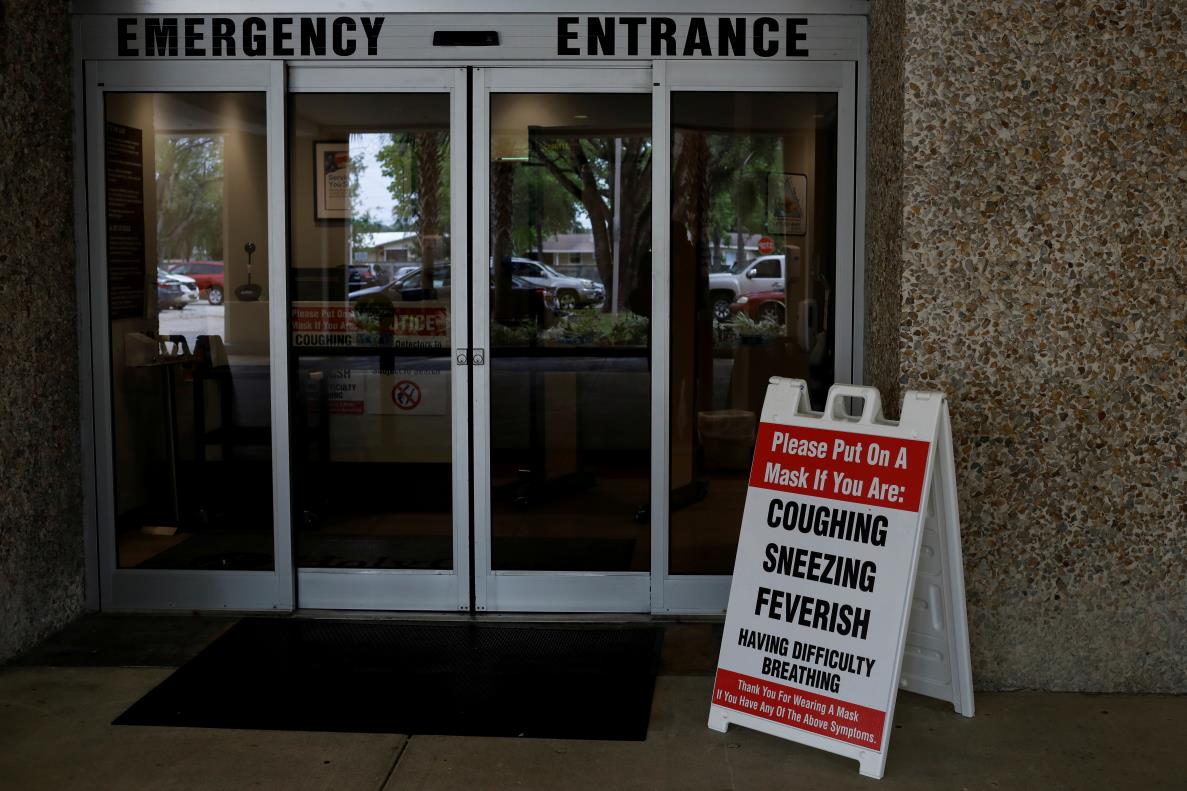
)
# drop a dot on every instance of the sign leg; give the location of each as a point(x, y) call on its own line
point(871, 765)
point(718, 721)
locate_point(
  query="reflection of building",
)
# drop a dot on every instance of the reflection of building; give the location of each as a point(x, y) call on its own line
point(728, 252)
point(386, 247)
point(572, 254)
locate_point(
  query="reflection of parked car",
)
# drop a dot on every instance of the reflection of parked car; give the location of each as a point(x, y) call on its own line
point(408, 286)
point(762, 306)
point(766, 273)
point(571, 292)
point(364, 276)
point(207, 274)
point(529, 301)
point(532, 303)
point(175, 291)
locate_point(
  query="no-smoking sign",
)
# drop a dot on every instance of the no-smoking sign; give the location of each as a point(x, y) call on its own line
point(411, 393)
point(406, 394)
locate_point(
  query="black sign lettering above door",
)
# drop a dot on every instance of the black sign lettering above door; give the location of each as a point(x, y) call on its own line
point(665, 37)
point(253, 36)
point(441, 37)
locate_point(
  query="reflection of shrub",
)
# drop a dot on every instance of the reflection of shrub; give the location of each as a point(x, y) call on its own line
point(592, 327)
point(520, 334)
point(742, 329)
point(370, 315)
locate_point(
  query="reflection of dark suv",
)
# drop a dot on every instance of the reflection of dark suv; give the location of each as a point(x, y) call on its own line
point(408, 287)
point(364, 276)
point(208, 274)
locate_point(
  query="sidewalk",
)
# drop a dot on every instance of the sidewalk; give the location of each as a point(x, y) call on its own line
point(55, 734)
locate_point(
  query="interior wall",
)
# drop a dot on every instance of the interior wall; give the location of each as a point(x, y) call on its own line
point(245, 219)
point(41, 538)
point(1044, 288)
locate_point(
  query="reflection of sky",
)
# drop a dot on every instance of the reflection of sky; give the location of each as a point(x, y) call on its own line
point(373, 194)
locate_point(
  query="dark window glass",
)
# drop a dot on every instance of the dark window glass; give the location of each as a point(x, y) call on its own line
point(767, 268)
point(570, 360)
point(191, 399)
point(372, 436)
point(744, 166)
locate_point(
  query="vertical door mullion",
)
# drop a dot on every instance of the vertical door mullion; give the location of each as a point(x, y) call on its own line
point(661, 166)
point(480, 332)
point(100, 334)
point(278, 357)
point(459, 334)
point(845, 260)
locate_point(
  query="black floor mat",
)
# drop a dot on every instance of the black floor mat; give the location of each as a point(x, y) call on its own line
point(463, 679)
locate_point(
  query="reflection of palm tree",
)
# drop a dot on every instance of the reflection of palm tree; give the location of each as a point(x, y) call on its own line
point(501, 182)
point(428, 169)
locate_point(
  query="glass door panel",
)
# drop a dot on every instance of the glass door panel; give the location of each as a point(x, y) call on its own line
point(186, 260)
point(570, 335)
point(372, 319)
point(754, 292)
point(186, 197)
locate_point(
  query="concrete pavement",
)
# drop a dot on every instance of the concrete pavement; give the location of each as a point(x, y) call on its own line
point(55, 733)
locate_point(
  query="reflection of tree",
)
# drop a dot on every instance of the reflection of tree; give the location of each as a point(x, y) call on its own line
point(585, 168)
point(731, 182)
point(416, 165)
point(362, 224)
point(431, 149)
point(541, 208)
point(189, 186)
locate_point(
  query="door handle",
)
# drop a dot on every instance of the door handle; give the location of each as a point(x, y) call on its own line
point(470, 356)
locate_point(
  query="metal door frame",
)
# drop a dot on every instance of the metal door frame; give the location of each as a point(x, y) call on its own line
point(411, 589)
point(656, 591)
point(132, 588)
point(532, 591)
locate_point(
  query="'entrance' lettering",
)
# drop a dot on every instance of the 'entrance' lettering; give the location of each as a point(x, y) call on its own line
point(768, 37)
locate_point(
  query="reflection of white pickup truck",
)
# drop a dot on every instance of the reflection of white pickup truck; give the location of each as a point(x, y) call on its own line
point(765, 273)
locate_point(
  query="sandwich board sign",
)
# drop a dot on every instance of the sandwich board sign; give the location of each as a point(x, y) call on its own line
point(848, 583)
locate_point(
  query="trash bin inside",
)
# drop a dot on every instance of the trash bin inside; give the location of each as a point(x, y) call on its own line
point(727, 438)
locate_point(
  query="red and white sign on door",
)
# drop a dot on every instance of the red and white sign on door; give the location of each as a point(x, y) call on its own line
point(826, 561)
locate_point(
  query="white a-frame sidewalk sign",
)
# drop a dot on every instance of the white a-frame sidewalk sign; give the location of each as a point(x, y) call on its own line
point(848, 583)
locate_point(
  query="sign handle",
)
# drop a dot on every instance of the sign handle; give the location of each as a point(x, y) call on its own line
point(871, 411)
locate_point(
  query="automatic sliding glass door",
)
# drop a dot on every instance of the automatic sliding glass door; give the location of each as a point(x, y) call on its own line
point(377, 306)
point(562, 298)
point(185, 247)
point(760, 269)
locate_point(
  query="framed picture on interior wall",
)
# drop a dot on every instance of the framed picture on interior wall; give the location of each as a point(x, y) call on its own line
point(331, 175)
point(787, 203)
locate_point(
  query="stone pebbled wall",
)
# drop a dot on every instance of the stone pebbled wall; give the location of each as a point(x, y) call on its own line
point(41, 538)
point(1042, 241)
point(884, 201)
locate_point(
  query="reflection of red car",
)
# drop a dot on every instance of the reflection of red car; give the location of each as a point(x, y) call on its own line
point(209, 275)
point(762, 306)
